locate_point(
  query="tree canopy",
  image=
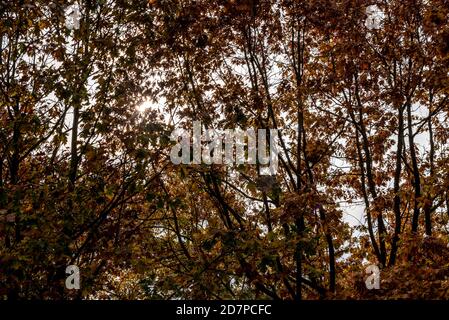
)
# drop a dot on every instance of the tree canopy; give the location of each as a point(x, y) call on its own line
point(86, 115)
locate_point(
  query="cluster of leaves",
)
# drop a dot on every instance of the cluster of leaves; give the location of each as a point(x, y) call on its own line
point(86, 177)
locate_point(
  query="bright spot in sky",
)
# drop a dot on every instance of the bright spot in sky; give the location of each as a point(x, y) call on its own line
point(146, 105)
point(156, 105)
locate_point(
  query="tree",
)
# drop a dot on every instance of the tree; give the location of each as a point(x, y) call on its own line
point(86, 178)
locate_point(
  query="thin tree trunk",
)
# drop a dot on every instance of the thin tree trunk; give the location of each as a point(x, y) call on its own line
point(428, 205)
point(397, 180)
point(416, 177)
point(381, 230)
point(366, 199)
point(331, 250)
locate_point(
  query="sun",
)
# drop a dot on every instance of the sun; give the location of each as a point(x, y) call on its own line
point(145, 105)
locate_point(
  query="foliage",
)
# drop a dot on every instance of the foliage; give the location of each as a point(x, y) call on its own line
point(86, 176)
